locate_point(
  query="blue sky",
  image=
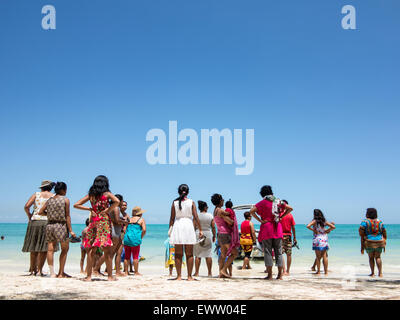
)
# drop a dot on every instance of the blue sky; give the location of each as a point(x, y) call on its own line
point(324, 102)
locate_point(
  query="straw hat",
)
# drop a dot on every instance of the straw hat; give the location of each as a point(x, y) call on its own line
point(136, 211)
point(46, 183)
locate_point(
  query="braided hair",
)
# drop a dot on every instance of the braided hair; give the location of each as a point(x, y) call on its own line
point(183, 191)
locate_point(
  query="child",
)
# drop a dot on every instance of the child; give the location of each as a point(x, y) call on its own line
point(288, 228)
point(83, 250)
point(133, 239)
point(320, 240)
point(169, 256)
point(315, 261)
point(235, 240)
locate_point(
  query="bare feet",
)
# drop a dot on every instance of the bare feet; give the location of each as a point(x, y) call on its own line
point(137, 274)
point(196, 274)
point(317, 273)
point(87, 279)
point(111, 278)
point(120, 274)
point(380, 275)
point(98, 273)
point(224, 274)
point(177, 278)
point(210, 275)
point(372, 275)
point(268, 278)
point(190, 279)
point(279, 277)
point(286, 273)
point(63, 275)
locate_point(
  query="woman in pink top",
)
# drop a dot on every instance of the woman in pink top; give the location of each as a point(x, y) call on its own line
point(224, 227)
point(269, 212)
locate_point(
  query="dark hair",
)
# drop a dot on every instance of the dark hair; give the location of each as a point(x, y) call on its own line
point(100, 185)
point(229, 204)
point(47, 188)
point(247, 215)
point(87, 222)
point(120, 198)
point(285, 201)
point(319, 217)
point(183, 191)
point(60, 186)
point(216, 199)
point(266, 191)
point(371, 213)
point(202, 205)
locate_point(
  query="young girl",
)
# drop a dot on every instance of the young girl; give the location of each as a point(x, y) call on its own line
point(235, 240)
point(169, 256)
point(99, 229)
point(183, 212)
point(83, 250)
point(133, 239)
point(58, 226)
point(247, 239)
point(320, 240)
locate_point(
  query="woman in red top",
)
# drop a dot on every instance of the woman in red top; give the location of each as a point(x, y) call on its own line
point(269, 213)
point(99, 230)
point(247, 239)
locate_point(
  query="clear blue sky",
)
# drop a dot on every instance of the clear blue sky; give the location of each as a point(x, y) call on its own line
point(324, 102)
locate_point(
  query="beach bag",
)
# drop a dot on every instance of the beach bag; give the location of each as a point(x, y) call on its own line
point(133, 235)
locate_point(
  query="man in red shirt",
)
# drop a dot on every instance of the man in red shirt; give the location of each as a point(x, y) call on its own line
point(288, 227)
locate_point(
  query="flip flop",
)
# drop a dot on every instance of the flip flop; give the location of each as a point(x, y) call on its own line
point(74, 239)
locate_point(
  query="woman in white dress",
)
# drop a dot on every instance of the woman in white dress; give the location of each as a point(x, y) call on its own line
point(182, 232)
point(204, 248)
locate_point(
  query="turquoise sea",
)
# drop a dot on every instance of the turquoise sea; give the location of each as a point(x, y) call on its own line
point(344, 247)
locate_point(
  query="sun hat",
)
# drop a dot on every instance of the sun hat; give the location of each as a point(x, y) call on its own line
point(46, 183)
point(137, 211)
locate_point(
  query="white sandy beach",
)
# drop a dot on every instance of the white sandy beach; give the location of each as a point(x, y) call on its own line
point(247, 285)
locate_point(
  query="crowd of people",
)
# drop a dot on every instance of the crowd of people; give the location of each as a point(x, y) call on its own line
point(110, 233)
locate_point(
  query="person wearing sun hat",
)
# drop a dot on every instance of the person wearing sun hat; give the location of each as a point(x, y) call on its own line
point(35, 237)
point(133, 239)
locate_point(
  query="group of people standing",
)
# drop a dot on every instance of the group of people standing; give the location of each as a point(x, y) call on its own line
point(110, 232)
point(191, 232)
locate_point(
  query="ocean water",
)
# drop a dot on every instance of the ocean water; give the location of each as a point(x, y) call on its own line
point(344, 247)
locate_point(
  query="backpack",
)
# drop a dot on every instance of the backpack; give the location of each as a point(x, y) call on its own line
point(133, 235)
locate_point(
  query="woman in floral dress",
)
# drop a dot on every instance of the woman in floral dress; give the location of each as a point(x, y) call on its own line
point(99, 229)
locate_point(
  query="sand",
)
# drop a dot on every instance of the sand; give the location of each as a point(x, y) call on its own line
point(341, 283)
